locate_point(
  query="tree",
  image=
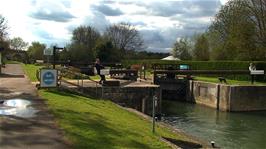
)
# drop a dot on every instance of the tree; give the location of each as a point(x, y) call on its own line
point(17, 43)
point(85, 35)
point(124, 36)
point(35, 50)
point(107, 52)
point(201, 48)
point(3, 35)
point(257, 9)
point(84, 39)
point(238, 31)
point(182, 49)
point(3, 28)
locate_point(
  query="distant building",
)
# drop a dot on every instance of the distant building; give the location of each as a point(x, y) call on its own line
point(171, 58)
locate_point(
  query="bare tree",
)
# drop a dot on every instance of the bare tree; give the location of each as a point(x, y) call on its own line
point(17, 43)
point(3, 28)
point(124, 36)
point(258, 16)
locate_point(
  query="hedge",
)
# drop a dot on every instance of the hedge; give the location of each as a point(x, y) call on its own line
point(208, 65)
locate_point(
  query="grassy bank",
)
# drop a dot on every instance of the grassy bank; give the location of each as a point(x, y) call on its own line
point(31, 70)
point(229, 82)
point(95, 123)
point(90, 123)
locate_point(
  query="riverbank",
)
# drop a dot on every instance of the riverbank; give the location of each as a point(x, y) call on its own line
point(95, 123)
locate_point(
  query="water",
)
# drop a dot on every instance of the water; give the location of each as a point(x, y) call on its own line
point(17, 107)
point(241, 130)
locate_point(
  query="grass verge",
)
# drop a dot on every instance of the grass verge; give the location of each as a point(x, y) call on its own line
point(90, 123)
point(229, 82)
point(31, 70)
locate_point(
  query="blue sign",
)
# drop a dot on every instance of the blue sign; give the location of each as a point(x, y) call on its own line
point(48, 78)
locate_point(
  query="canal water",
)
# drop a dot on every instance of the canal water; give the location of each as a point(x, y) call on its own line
point(237, 130)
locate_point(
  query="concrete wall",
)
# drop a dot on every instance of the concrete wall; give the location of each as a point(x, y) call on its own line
point(204, 93)
point(139, 98)
point(228, 98)
point(247, 98)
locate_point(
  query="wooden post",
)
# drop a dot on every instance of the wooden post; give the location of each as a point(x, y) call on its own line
point(0, 62)
point(54, 48)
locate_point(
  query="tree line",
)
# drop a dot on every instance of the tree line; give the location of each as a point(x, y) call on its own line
point(238, 32)
point(119, 41)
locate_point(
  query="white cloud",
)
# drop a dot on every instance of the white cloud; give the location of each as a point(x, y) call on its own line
point(160, 22)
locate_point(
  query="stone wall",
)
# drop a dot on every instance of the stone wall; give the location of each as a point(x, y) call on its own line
point(227, 97)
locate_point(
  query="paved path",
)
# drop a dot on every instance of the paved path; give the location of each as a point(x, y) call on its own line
point(38, 132)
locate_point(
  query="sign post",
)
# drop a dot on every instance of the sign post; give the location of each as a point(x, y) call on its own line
point(54, 54)
point(154, 105)
point(48, 53)
point(1, 59)
point(0, 62)
point(48, 78)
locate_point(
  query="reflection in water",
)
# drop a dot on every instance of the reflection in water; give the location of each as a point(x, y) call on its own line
point(17, 107)
point(228, 130)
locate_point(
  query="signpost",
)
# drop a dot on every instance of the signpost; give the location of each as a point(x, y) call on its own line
point(154, 105)
point(48, 53)
point(48, 78)
point(1, 49)
point(54, 54)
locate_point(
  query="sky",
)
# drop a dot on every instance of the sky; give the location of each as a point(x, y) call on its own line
point(159, 22)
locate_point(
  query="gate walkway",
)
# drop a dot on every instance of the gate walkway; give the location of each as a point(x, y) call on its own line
point(39, 131)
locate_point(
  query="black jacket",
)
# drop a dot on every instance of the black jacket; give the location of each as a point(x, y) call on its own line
point(98, 67)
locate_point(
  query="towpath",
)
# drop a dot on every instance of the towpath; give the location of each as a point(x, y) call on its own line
point(30, 129)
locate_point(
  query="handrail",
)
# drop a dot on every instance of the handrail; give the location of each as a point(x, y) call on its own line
point(211, 72)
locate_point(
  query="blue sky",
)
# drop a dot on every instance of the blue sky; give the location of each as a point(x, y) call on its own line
point(160, 22)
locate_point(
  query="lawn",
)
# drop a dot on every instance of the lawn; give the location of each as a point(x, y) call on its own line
point(229, 82)
point(31, 70)
point(94, 123)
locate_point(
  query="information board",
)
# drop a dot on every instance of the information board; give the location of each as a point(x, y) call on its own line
point(48, 52)
point(48, 78)
point(257, 72)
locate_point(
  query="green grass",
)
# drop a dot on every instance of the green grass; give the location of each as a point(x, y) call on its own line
point(90, 123)
point(94, 123)
point(30, 70)
point(229, 82)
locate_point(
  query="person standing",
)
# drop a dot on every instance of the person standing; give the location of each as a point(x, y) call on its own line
point(98, 67)
point(251, 68)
